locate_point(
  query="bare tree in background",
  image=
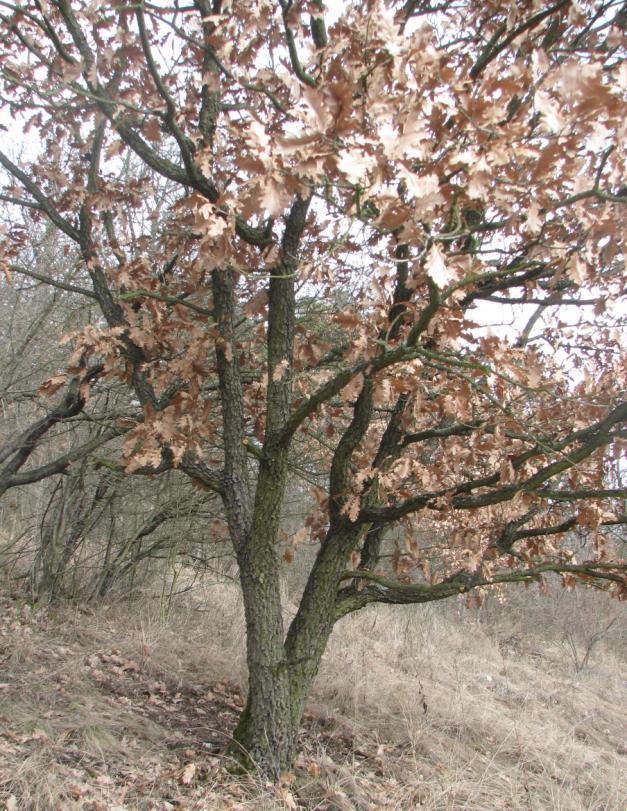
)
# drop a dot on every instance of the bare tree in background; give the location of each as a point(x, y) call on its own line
point(81, 529)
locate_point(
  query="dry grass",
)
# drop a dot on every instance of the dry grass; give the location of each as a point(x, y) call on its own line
point(476, 727)
point(124, 709)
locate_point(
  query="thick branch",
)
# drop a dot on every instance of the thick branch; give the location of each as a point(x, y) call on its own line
point(22, 446)
point(60, 464)
point(237, 494)
point(185, 145)
point(329, 389)
point(494, 47)
point(201, 472)
point(298, 69)
point(513, 534)
point(383, 590)
point(281, 318)
point(318, 26)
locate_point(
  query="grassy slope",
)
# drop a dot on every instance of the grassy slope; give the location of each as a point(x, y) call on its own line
point(433, 709)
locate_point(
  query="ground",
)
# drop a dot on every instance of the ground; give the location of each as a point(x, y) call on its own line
point(130, 706)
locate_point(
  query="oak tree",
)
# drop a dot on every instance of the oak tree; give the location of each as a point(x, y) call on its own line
point(388, 239)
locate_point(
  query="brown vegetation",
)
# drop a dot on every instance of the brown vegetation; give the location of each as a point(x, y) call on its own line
point(118, 709)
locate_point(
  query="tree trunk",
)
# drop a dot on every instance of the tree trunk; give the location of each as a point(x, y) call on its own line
point(281, 670)
point(281, 674)
point(265, 735)
point(265, 738)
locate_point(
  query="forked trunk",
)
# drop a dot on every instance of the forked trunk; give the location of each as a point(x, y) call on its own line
point(265, 738)
point(281, 674)
point(279, 682)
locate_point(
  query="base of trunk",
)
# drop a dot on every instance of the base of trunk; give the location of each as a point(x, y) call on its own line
point(264, 742)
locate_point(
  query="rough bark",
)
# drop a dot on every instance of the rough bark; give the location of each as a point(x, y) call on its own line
point(266, 734)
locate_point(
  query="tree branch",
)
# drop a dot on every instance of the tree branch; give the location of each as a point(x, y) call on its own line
point(383, 590)
point(236, 483)
point(494, 48)
point(593, 437)
point(304, 77)
point(281, 321)
point(44, 202)
point(41, 277)
point(18, 450)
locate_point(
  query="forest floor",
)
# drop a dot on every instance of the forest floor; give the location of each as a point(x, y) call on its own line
point(126, 708)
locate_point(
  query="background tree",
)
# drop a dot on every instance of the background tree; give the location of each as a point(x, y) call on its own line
point(444, 166)
point(81, 529)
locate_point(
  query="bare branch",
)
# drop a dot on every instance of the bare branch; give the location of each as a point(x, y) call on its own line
point(44, 203)
point(41, 277)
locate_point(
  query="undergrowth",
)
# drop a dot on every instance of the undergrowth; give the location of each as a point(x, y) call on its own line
point(125, 708)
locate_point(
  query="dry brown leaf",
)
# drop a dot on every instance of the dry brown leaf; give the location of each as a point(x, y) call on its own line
point(188, 773)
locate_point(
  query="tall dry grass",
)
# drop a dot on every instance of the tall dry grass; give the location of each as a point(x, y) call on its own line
point(474, 724)
point(431, 707)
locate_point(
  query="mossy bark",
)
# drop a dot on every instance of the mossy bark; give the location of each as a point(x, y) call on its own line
point(266, 736)
point(281, 674)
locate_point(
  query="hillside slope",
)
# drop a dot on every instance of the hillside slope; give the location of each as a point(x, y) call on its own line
point(127, 709)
